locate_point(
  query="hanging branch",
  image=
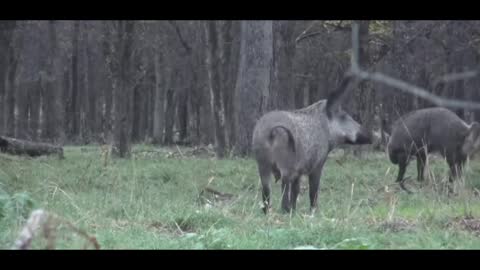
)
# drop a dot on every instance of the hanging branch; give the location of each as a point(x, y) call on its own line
point(357, 71)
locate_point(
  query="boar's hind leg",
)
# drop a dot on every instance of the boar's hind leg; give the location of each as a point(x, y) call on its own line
point(265, 175)
point(421, 159)
point(294, 190)
point(286, 185)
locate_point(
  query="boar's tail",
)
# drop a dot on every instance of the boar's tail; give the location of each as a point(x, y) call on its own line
point(291, 141)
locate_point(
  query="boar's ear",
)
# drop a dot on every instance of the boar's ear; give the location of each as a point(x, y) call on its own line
point(335, 98)
point(472, 140)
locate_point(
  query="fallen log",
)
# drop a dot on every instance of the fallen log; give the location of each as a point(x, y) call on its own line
point(34, 149)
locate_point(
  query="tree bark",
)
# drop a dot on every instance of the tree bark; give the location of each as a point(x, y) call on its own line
point(9, 109)
point(94, 94)
point(253, 83)
point(169, 116)
point(282, 96)
point(21, 119)
point(159, 101)
point(213, 61)
point(50, 88)
point(365, 96)
point(34, 104)
point(7, 29)
point(229, 56)
point(123, 90)
point(73, 110)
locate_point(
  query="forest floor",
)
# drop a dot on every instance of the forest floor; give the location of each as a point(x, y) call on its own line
point(155, 201)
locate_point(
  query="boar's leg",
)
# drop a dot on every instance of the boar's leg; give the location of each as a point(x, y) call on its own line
point(455, 170)
point(265, 175)
point(276, 173)
point(314, 184)
point(421, 159)
point(294, 190)
point(402, 166)
point(286, 194)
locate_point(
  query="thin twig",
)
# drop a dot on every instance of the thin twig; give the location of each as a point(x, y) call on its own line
point(304, 36)
point(180, 151)
point(305, 31)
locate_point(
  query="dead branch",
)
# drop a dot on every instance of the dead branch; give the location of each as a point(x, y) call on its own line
point(41, 220)
point(36, 221)
point(301, 36)
point(304, 36)
point(454, 77)
point(218, 193)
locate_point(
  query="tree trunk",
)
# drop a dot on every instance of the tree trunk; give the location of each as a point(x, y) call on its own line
point(34, 103)
point(123, 91)
point(94, 95)
point(9, 109)
point(73, 110)
point(169, 116)
point(83, 92)
point(137, 107)
point(7, 29)
point(65, 101)
point(365, 95)
point(282, 96)
point(21, 119)
point(229, 55)
point(50, 88)
point(182, 113)
point(253, 83)
point(158, 114)
point(214, 79)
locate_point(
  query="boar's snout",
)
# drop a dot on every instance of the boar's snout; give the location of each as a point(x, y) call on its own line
point(363, 137)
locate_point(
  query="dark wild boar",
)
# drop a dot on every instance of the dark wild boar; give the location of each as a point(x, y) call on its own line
point(290, 144)
point(432, 130)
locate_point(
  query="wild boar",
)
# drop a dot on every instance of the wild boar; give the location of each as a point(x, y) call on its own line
point(432, 130)
point(293, 143)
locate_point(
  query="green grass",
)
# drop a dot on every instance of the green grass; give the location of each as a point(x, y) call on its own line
point(152, 202)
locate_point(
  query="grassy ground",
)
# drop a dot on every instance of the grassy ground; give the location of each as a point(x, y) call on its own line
point(153, 201)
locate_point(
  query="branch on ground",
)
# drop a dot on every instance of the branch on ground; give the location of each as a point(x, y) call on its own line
point(43, 221)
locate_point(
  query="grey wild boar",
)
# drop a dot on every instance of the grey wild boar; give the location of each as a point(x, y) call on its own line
point(432, 130)
point(290, 144)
